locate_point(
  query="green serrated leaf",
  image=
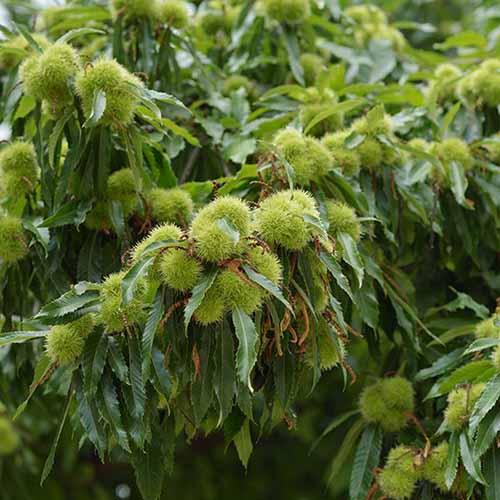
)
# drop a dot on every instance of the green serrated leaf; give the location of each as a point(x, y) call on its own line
point(481, 345)
point(486, 402)
point(197, 295)
point(149, 467)
point(441, 365)
point(366, 459)
point(336, 422)
point(487, 432)
point(267, 285)
point(224, 380)
point(20, 337)
point(456, 174)
point(293, 50)
point(111, 408)
point(136, 380)
point(178, 130)
point(246, 355)
point(49, 462)
point(351, 255)
point(67, 303)
point(202, 389)
point(471, 464)
point(492, 474)
point(334, 267)
point(26, 35)
point(137, 272)
point(346, 448)
point(228, 227)
point(117, 360)
point(342, 107)
point(452, 460)
point(72, 34)
point(449, 117)
point(42, 369)
point(98, 108)
point(89, 418)
point(163, 383)
point(468, 373)
point(150, 330)
point(243, 443)
point(93, 361)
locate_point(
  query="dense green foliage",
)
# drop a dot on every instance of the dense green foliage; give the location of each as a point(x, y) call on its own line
point(220, 218)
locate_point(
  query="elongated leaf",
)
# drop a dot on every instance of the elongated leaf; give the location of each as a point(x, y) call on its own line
point(177, 129)
point(164, 383)
point(134, 147)
point(94, 360)
point(487, 432)
point(149, 467)
point(449, 117)
point(452, 460)
point(197, 296)
point(224, 380)
point(441, 365)
point(20, 337)
point(243, 443)
point(89, 418)
point(353, 140)
point(336, 422)
point(42, 370)
point(464, 301)
point(72, 34)
point(49, 462)
point(98, 108)
point(292, 90)
point(317, 223)
point(468, 373)
point(384, 60)
point(351, 255)
point(492, 474)
point(458, 181)
point(342, 107)
point(136, 381)
point(55, 136)
point(339, 314)
point(27, 36)
point(472, 465)
point(168, 98)
point(228, 227)
point(486, 401)
point(70, 213)
point(366, 301)
point(365, 460)
point(285, 378)
point(135, 273)
point(111, 407)
point(68, 303)
point(334, 267)
point(344, 451)
point(239, 149)
point(267, 285)
point(117, 360)
point(463, 39)
point(202, 390)
point(246, 355)
point(149, 333)
point(481, 345)
point(293, 50)
point(160, 245)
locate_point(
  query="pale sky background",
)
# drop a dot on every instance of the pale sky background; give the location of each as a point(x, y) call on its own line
point(38, 3)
